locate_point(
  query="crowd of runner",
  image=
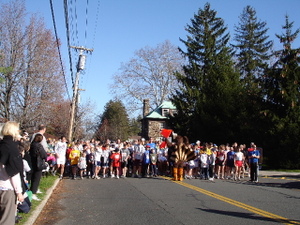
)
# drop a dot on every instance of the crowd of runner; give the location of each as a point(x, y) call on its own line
point(141, 158)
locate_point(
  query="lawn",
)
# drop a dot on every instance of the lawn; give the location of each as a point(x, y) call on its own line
point(46, 183)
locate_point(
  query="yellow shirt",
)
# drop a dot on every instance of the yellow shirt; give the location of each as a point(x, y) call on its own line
point(74, 156)
point(208, 151)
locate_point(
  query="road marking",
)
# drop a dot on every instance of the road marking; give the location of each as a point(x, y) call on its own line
point(236, 203)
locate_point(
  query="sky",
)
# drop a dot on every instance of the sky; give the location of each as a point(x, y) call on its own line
point(115, 29)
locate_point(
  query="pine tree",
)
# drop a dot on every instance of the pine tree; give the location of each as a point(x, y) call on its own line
point(253, 52)
point(253, 47)
point(283, 100)
point(209, 86)
point(114, 122)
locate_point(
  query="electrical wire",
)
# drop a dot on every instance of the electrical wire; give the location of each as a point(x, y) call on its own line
point(86, 21)
point(58, 48)
point(68, 39)
point(94, 34)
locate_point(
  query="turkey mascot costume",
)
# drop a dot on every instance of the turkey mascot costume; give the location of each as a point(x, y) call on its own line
point(179, 152)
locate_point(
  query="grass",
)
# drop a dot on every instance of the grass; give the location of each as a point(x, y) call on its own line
point(46, 183)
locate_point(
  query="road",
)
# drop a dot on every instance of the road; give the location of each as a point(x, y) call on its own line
point(274, 200)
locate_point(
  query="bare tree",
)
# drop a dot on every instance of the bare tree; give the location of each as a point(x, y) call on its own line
point(148, 75)
point(34, 79)
point(12, 49)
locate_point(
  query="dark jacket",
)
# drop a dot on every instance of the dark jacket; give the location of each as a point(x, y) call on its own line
point(10, 156)
point(36, 149)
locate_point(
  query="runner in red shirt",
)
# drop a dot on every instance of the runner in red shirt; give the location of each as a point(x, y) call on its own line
point(116, 162)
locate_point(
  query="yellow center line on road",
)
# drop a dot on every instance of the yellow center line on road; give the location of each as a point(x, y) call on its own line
point(235, 203)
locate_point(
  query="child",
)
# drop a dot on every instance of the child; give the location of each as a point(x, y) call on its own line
point(153, 161)
point(51, 160)
point(74, 158)
point(204, 159)
point(82, 164)
point(116, 158)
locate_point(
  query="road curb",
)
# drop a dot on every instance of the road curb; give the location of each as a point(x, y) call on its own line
point(35, 213)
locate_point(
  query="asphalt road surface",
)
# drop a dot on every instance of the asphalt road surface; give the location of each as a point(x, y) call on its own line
point(274, 200)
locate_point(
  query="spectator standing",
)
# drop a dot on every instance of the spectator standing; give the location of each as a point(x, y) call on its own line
point(11, 167)
point(42, 131)
point(36, 150)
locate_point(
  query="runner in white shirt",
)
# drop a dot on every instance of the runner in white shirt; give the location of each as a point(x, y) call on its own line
point(238, 162)
point(60, 152)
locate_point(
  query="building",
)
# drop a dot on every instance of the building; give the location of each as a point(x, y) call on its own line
point(154, 121)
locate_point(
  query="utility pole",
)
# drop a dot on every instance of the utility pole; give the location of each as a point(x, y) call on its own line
point(80, 67)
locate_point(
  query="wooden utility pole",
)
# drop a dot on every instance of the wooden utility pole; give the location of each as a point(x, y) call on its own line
point(80, 67)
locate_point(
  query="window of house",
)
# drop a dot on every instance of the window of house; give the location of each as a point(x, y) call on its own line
point(165, 112)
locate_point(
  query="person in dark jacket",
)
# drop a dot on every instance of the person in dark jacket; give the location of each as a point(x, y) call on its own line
point(36, 149)
point(11, 167)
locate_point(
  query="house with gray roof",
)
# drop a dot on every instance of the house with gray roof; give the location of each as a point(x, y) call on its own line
point(154, 121)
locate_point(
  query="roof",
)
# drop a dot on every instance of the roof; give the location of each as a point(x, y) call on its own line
point(157, 113)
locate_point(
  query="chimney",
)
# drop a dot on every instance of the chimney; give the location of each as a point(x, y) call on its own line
point(146, 107)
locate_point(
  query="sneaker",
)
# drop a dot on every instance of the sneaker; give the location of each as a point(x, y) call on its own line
point(39, 191)
point(112, 176)
point(81, 178)
point(60, 177)
point(104, 176)
point(117, 177)
point(34, 197)
point(97, 177)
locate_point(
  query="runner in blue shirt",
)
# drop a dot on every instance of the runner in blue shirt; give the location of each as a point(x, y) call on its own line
point(254, 156)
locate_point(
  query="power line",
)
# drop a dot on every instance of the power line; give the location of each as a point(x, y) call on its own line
point(58, 48)
point(86, 20)
point(68, 38)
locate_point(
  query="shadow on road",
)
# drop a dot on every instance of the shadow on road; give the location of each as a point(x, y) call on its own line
point(251, 216)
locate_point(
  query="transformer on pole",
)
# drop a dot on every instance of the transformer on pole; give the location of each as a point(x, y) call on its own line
point(80, 67)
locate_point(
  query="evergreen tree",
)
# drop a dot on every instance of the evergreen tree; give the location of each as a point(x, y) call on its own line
point(253, 52)
point(283, 101)
point(114, 122)
point(253, 47)
point(209, 87)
